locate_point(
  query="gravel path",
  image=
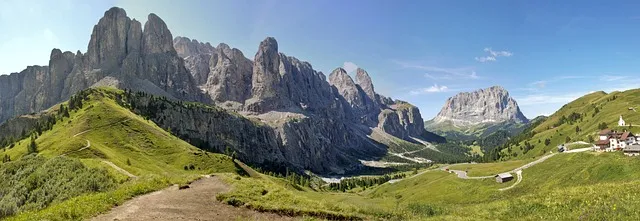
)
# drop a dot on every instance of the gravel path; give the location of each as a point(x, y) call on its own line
point(123, 171)
point(198, 202)
point(78, 150)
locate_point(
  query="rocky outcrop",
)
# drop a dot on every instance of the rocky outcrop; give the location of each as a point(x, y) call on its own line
point(22, 93)
point(364, 109)
point(410, 118)
point(186, 47)
point(348, 89)
point(230, 75)
point(196, 57)
point(485, 106)
point(389, 122)
point(119, 51)
point(364, 81)
point(267, 94)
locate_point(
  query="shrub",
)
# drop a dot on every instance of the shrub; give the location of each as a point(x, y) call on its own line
point(34, 182)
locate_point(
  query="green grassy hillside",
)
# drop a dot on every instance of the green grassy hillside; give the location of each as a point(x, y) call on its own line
point(579, 120)
point(137, 154)
point(586, 186)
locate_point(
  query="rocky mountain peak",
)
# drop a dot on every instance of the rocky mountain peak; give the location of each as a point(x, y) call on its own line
point(363, 106)
point(223, 46)
point(490, 105)
point(156, 37)
point(55, 53)
point(186, 47)
point(108, 43)
point(266, 76)
point(346, 87)
point(340, 75)
point(363, 79)
point(115, 12)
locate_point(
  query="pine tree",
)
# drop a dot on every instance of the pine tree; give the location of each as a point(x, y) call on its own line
point(547, 142)
point(33, 147)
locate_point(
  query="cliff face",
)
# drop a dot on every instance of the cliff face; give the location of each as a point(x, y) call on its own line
point(306, 121)
point(119, 54)
point(491, 105)
point(297, 142)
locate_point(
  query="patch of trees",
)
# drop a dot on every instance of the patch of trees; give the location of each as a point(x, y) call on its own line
point(450, 152)
point(596, 110)
point(527, 147)
point(296, 179)
point(547, 142)
point(364, 182)
point(571, 119)
point(602, 126)
point(526, 134)
point(433, 138)
point(494, 140)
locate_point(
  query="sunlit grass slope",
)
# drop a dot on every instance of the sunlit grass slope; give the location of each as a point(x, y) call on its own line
point(585, 186)
point(591, 110)
point(146, 157)
point(487, 169)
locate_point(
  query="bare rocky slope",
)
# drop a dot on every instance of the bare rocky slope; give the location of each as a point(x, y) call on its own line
point(471, 112)
point(309, 121)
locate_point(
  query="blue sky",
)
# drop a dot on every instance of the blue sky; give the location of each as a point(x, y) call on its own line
point(546, 53)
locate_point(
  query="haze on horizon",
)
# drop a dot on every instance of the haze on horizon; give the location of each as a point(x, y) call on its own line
point(545, 53)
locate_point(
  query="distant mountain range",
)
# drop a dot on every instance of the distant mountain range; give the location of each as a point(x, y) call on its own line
point(477, 114)
point(310, 122)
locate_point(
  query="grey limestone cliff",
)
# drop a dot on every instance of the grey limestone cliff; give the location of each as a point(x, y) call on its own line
point(120, 53)
point(485, 106)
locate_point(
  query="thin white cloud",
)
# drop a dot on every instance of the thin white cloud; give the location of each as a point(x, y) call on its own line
point(623, 85)
point(539, 84)
point(442, 73)
point(613, 77)
point(498, 53)
point(493, 55)
point(485, 59)
point(349, 66)
point(568, 77)
point(438, 77)
point(474, 75)
point(433, 89)
point(538, 99)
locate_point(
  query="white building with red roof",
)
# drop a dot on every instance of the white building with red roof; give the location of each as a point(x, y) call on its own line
point(614, 140)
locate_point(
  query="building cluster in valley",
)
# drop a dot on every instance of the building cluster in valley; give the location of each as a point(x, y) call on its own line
point(611, 140)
